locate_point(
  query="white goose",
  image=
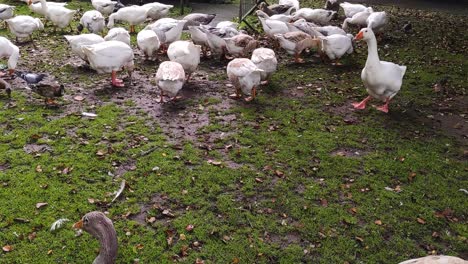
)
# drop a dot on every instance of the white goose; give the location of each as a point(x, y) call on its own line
point(321, 16)
point(77, 41)
point(265, 59)
point(148, 42)
point(105, 7)
point(170, 78)
point(215, 41)
point(60, 16)
point(167, 29)
point(335, 46)
point(92, 20)
point(441, 259)
point(358, 19)
point(24, 26)
point(6, 11)
point(118, 34)
point(199, 38)
point(295, 42)
point(10, 51)
point(240, 45)
point(36, 7)
point(281, 17)
point(272, 27)
point(226, 23)
point(293, 3)
point(245, 76)
point(185, 53)
point(110, 57)
point(157, 10)
point(382, 79)
point(134, 15)
point(377, 21)
point(351, 9)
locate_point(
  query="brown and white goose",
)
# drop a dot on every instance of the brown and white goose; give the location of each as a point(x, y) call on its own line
point(100, 227)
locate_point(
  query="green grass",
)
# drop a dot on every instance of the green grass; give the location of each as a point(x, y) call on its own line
point(283, 193)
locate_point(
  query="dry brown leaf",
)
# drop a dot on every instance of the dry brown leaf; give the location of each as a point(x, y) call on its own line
point(235, 261)
point(279, 173)
point(214, 162)
point(182, 237)
point(78, 98)
point(353, 210)
point(38, 168)
point(32, 236)
point(189, 228)
point(7, 248)
point(421, 221)
point(324, 202)
point(91, 200)
point(411, 176)
point(378, 222)
point(360, 239)
point(50, 251)
point(151, 220)
point(199, 261)
point(39, 205)
point(101, 152)
point(259, 180)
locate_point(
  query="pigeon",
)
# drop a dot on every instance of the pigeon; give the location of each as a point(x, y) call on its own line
point(31, 78)
point(49, 91)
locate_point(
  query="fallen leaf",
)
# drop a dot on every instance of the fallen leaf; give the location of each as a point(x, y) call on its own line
point(7, 248)
point(182, 237)
point(353, 210)
point(189, 228)
point(214, 162)
point(49, 251)
point(38, 168)
point(360, 239)
point(199, 261)
point(421, 221)
point(235, 261)
point(411, 176)
point(78, 98)
point(168, 213)
point(32, 236)
point(378, 222)
point(324, 202)
point(91, 200)
point(259, 180)
point(39, 205)
point(101, 152)
point(279, 173)
point(151, 220)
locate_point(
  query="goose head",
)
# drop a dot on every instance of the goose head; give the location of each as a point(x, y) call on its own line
point(365, 34)
point(99, 226)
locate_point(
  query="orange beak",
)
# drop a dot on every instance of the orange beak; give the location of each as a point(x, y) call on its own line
point(359, 36)
point(78, 225)
point(11, 71)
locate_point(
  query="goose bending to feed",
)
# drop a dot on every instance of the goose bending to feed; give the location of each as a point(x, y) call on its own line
point(77, 41)
point(5, 86)
point(295, 42)
point(215, 41)
point(226, 23)
point(148, 42)
point(293, 3)
point(168, 30)
point(245, 76)
point(60, 16)
point(93, 21)
point(100, 227)
point(276, 9)
point(133, 15)
point(240, 45)
point(280, 17)
point(119, 34)
point(109, 57)
point(358, 19)
point(320, 16)
point(382, 79)
point(6, 12)
point(157, 10)
point(105, 7)
point(351, 9)
point(170, 78)
point(10, 51)
point(272, 27)
point(196, 19)
point(199, 38)
point(185, 53)
point(441, 259)
point(335, 46)
point(265, 59)
point(377, 21)
point(24, 26)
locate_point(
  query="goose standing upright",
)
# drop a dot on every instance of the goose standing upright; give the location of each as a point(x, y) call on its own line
point(157, 10)
point(377, 21)
point(196, 19)
point(99, 226)
point(105, 7)
point(382, 79)
point(359, 19)
point(11, 51)
point(320, 16)
point(185, 53)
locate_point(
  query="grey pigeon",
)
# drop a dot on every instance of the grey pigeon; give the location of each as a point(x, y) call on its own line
point(30, 78)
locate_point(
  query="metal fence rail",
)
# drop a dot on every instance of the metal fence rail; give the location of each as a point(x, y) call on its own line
point(246, 7)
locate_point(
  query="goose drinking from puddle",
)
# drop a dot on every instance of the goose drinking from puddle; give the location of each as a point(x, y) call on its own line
point(99, 226)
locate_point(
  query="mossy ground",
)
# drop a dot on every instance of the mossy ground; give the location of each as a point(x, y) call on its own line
point(296, 176)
